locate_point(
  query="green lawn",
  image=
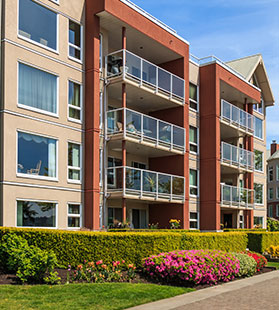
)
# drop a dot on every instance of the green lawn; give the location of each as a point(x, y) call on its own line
point(273, 264)
point(107, 296)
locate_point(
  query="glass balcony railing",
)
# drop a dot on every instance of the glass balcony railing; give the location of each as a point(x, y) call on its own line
point(237, 116)
point(236, 196)
point(145, 184)
point(145, 128)
point(144, 72)
point(236, 156)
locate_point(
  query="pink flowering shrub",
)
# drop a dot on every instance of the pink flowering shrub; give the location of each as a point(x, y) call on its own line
point(195, 266)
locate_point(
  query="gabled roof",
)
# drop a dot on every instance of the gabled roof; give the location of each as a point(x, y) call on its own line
point(248, 66)
point(274, 156)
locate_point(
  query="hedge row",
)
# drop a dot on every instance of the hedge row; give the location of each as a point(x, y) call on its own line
point(75, 247)
point(259, 242)
point(244, 230)
point(153, 230)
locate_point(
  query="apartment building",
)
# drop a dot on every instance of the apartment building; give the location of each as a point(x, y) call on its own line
point(273, 181)
point(106, 118)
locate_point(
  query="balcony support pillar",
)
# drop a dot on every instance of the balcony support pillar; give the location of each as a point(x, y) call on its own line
point(124, 38)
point(124, 152)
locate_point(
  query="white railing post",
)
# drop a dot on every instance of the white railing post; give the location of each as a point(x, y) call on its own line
point(157, 185)
point(124, 121)
point(141, 71)
point(231, 113)
point(171, 137)
point(222, 194)
point(124, 64)
point(157, 79)
point(141, 183)
point(124, 179)
point(230, 195)
point(171, 188)
point(157, 134)
point(171, 81)
point(141, 128)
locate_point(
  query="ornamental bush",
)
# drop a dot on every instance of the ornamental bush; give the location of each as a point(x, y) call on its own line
point(194, 266)
point(30, 263)
point(260, 259)
point(247, 265)
point(273, 250)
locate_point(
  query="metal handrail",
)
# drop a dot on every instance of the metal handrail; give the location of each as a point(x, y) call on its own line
point(240, 198)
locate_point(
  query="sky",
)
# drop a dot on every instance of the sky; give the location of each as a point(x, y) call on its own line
point(228, 29)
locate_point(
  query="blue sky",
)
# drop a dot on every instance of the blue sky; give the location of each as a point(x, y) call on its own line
point(228, 29)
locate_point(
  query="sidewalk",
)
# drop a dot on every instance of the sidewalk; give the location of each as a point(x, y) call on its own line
point(257, 293)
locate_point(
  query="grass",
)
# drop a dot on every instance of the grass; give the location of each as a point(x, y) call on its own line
point(273, 264)
point(105, 296)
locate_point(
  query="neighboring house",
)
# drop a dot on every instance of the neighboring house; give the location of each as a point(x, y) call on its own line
point(106, 117)
point(273, 181)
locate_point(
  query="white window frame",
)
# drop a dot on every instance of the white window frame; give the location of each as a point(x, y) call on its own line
point(270, 210)
point(262, 161)
point(75, 46)
point(277, 172)
point(269, 169)
point(260, 138)
point(56, 51)
point(74, 215)
point(101, 174)
point(262, 217)
point(196, 102)
point(32, 176)
point(269, 192)
point(73, 106)
point(193, 220)
point(193, 143)
point(259, 204)
point(38, 200)
point(26, 107)
point(101, 125)
point(241, 222)
point(101, 62)
point(193, 186)
point(74, 168)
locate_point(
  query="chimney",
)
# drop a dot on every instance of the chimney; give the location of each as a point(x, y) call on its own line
point(273, 147)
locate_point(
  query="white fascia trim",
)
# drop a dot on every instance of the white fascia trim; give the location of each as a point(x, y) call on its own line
point(153, 19)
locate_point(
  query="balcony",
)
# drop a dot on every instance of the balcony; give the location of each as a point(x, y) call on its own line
point(133, 183)
point(144, 74)
point(146, 130)
point(236, 197)
point(236, 157)
point(237, 118)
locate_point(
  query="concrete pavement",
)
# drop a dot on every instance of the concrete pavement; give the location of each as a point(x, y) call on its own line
point(256, 293)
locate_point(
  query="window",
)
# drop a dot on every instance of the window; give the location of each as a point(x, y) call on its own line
point(74, 101)
point(259, 107)
point(258, 128)
point(270, 211)
point(101, 53)
point(74, 215)
point(270, 193)
point(277, 210)
point(277, 172)
point(193, 96)
point(138, 165)
point(37, 89)
point(193, 182)
point(194, 220)
point(193, 137)
point(38, 24)
point(258, 160)
point(74, 162)
point(139, 218)
point(277, 192)
point(112, 173)
point(258, 192)
point(270, 173)
point(75, 40)
point(241, 221)
point(114, 216)
point(36, 214)
point(36, 156)
point(258, 221)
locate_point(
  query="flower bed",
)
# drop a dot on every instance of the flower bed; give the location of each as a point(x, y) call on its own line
point(260, 259)
point(194, 266)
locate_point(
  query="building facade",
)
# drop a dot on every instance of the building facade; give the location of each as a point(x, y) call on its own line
point(105, 118)
point(273, 181)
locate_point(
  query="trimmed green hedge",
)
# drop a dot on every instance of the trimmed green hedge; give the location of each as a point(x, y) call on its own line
point(75, 247)
point(260, 241)
point(244, 230)
point(154, 230)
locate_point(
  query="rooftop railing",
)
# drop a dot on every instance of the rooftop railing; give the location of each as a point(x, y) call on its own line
point(236, 196)
point(237, 117)
point(145, 184)
point(145, 128)
point(236, 156)
point(145, 73)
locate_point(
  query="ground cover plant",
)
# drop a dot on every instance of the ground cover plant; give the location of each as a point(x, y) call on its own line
point(247, 265)
point(194, 266)
point(101, 296)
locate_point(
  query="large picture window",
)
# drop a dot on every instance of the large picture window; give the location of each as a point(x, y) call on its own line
point(37, 89)
point(74, 162)
point(36, 155)
point(38, 24)
point(36, 214)
point(258, 128)
point(258, 192)
point(74, 101)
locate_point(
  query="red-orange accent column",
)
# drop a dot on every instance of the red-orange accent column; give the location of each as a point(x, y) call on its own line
point(92, 131)
point(124, 152)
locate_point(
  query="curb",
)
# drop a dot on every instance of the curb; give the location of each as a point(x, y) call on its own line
point(188, 298)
